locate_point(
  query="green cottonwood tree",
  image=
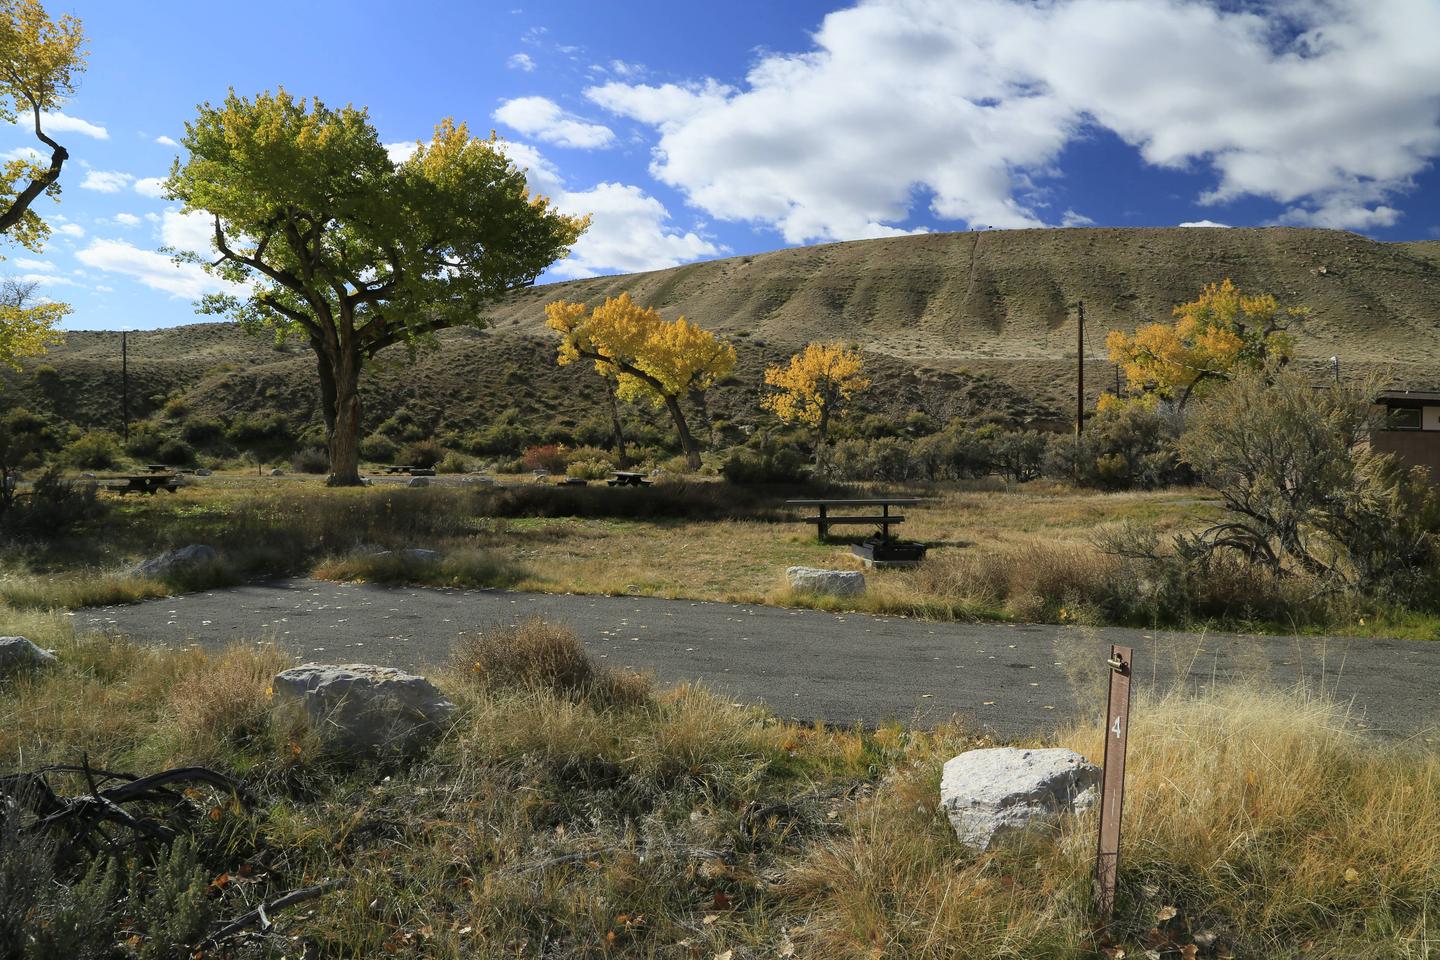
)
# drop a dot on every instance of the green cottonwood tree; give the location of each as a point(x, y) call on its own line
point(39, 60)
point(321, 234)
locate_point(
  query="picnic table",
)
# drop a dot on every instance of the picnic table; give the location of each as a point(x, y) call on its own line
point(627, 478)
point(394, 468)
point(157, 468)
point(884, 519)
point(883, 550)
point(147, 483)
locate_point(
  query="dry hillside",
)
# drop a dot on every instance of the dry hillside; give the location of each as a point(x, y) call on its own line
point(956, 323)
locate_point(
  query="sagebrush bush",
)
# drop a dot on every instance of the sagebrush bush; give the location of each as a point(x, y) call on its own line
point(93, 450)
point(378, 448)
point(310, 460)
point(422, 453)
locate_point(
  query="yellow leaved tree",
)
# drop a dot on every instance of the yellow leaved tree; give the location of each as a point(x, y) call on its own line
point(816, 383)
point(27, 328)
point(1214, 336)
point(649, 358)
point(39, 60)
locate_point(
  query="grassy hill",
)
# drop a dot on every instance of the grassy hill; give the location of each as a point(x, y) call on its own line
point(955, 324)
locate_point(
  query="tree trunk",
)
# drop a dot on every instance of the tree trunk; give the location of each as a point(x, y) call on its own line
point(345, 436)
point(610, 387)
point(822, 441)
point(327, 387)
point(687, 442)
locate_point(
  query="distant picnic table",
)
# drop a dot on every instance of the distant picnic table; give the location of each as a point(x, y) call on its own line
point(627, 478)
point(394, 468)
point(147, 483)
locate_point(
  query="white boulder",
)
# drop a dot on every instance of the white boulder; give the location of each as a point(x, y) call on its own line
point(418, 482)
point(1004, 790)
point(177, 561)
point(17, 653)
point(203, 472)
point(277, 472)
point(835, 583)
point(362, 709)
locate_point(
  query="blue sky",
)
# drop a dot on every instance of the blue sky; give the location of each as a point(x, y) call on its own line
point(696, 130)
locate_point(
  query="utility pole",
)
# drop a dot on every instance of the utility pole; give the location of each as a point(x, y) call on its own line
point(125, 386)
point(1080, 373)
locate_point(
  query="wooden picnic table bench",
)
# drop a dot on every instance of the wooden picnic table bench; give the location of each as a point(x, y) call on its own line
point(147, 483)
point(157, 468)
point(394, 468)
point(627, 478)
point(884, 519)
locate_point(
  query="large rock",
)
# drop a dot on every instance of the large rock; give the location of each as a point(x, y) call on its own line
point(17, 653)
point(418, 482)
point(177, 561)
point(990, 793)
point(836, 583)
point(365, 710)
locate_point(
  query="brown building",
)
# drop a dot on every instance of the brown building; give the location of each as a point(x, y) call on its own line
point(1412, 428)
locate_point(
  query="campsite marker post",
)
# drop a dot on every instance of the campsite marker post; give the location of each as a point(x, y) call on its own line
point(1112, 787)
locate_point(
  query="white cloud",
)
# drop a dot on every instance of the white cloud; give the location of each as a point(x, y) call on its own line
point(541, 176)
point(106, 181)
point(48, 280)
point(1204, 223)
point(1073, 219)
point(70, 230)
point(192, 232)
point(521, 61)
point(153, 187)
point(629, 230)
point(623, 69)
point(25, 153)
point(660, 106)
point(1329, 107)
point(545, 120)
point(628, 233)
point(165, 141)
point(102, 288)
point(33, 265)
point(154, 270)
point(126, 219)
point(53, 123)
point(1342, 212)
point(400, 152)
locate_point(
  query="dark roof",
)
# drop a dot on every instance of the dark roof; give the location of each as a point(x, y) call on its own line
point(1428, 395)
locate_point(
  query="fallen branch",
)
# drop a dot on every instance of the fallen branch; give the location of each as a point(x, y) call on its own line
point(261, 914)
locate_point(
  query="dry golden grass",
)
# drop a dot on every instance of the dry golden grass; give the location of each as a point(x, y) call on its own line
point(555, 818)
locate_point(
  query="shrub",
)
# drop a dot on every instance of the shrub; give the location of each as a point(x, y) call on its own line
point(549, 457)
point(378, 448)
point(264, 437)
point(454, 463)
point(203, 432)
point(1020, 454)
point(887, 459)
point(1304, 497)
point(422, 453)
point(97, 449)
point(536, 655)
point(56, 506)
point(144, 441)
point(310, 460)
point(174, 452)
point(589, 469)
point(505, 434)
